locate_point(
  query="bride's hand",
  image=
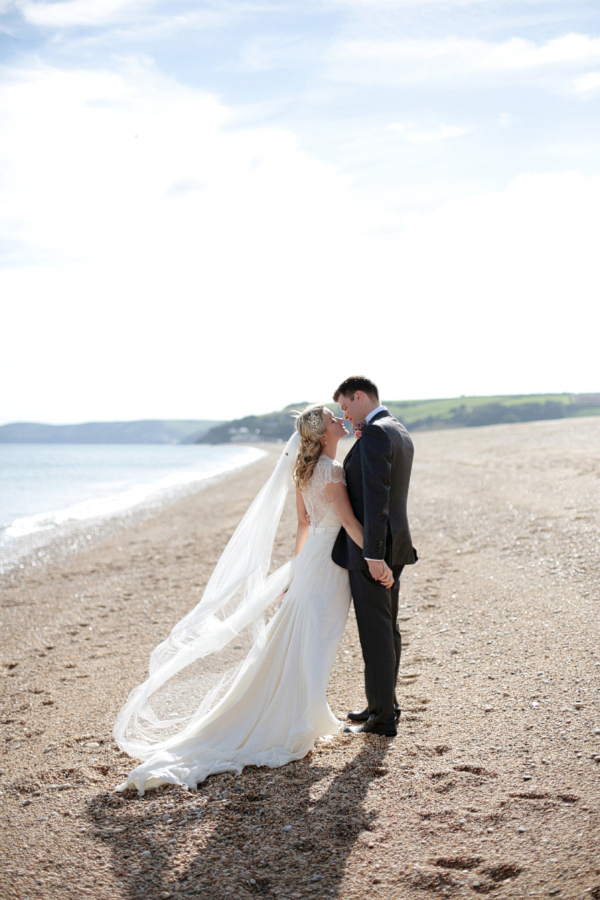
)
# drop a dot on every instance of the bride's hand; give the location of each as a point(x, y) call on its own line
point(387, 579)
point(381, 572)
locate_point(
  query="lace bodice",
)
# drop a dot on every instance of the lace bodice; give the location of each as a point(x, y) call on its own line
point(316, 496)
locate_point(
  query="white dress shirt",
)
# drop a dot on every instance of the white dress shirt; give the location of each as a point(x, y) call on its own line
point(374, 412)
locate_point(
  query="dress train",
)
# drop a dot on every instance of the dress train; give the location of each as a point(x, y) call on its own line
point(276, 708)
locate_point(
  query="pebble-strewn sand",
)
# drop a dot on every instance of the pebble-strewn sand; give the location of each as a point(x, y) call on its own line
point(492, 784)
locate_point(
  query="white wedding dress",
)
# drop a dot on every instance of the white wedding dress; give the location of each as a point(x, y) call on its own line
point(276, 707)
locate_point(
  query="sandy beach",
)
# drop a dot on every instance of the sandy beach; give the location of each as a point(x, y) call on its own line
point(493, 782)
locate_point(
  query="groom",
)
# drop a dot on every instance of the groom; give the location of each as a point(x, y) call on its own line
point(377, 470)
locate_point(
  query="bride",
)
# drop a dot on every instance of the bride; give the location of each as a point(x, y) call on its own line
point(228, 689)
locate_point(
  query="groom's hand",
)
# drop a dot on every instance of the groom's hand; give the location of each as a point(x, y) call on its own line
point(380, 571)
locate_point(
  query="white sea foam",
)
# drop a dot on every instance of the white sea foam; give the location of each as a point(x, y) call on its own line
point(130, 497)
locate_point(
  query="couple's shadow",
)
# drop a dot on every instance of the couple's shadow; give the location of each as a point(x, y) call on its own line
point(269, 832)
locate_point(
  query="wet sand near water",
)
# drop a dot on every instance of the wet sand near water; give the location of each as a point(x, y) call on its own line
point(493, 782)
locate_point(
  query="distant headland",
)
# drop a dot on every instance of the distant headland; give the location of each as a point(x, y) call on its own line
point(423, 415)
point(417, 415)
point(145, 431)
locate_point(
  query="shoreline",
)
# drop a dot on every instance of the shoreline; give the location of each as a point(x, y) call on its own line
point(45, 545)
point(490, 786)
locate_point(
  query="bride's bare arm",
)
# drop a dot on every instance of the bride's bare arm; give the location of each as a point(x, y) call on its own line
point(341, 504)
point(303, 522)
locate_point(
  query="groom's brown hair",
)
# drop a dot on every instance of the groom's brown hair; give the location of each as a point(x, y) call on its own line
point(356, 383)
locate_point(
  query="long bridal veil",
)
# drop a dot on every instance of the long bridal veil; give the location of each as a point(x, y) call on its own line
point(191, 671)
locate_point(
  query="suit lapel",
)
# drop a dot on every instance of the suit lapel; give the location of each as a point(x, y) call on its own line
point(380, 415)
point(349, 453)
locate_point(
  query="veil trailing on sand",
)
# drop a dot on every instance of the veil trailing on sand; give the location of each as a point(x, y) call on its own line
point(190, 672)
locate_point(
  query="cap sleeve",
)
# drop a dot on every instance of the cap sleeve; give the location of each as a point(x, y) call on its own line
point(333, 471)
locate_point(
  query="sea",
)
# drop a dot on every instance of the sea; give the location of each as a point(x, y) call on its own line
point(60, 491)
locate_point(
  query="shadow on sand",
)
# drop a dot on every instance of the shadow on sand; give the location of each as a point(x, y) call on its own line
point(281, 833)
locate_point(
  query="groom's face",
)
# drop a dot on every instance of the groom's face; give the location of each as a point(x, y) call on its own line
point(352, 407)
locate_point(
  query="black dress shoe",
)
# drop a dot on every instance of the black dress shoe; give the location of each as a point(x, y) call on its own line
point(384, 729)
point(364, 714)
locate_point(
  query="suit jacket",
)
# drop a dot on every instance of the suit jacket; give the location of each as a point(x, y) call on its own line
point(378, 469)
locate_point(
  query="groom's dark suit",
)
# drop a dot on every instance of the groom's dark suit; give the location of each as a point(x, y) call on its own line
point(378, 469)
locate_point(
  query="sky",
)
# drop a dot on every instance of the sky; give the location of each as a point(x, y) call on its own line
point(210, 209)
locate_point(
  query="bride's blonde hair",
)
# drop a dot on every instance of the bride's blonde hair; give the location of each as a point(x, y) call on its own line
point(310, 425)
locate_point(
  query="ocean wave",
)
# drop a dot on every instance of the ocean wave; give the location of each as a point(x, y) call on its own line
point(124, 500)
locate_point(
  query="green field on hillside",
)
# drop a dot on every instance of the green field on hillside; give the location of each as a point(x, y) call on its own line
point(456, 412)
point(424, 415)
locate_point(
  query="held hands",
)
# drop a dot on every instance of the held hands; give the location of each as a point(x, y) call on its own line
point(381, 572)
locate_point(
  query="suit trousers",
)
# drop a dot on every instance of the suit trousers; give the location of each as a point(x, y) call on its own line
point(376, 610)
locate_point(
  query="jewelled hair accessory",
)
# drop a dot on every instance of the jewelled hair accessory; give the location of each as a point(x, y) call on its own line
point(313, 419)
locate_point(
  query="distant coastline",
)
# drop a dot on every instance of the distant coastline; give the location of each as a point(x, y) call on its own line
point(423, 415)
point(276, 426)
point(143, 431)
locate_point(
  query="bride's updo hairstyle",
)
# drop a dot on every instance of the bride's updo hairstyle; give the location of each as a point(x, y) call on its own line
point(310, 425)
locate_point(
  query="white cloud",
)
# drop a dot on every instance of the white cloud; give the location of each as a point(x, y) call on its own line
point(506, 120)
point(416, 135)
point(438, 60)
point(203, 269)
point(68, 13)
point(399, 4)
point(139, 18)
point(587, 84)
point(111, 163)
point(139, 220)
